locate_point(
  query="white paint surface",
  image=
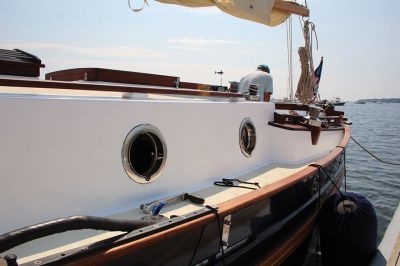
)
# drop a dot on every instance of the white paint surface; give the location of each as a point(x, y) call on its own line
point(62, 156)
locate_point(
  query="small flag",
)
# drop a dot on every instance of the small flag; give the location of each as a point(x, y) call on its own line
point(317, 75)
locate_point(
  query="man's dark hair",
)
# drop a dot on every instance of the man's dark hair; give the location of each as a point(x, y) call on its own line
point(264, 68)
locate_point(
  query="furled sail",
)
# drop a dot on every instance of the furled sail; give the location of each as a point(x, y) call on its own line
point(261, 11)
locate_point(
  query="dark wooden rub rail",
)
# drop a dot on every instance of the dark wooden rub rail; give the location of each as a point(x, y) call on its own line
point(225, 208)
point(48, 84)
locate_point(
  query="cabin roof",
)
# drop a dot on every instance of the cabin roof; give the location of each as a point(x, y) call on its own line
point(19, 56)
point(19, 63)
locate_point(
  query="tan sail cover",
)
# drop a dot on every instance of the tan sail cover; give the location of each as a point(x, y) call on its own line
point(255, 10)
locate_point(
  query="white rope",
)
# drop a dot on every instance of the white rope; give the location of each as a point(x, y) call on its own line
point(306, 87)
point(138, 9)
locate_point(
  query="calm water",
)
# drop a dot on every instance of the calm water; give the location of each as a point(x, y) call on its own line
point(377, 128)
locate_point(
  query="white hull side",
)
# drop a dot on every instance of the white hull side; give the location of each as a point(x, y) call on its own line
point(62, 156)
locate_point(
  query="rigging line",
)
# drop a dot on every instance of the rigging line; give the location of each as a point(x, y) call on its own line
point(317, 247)
point(226, 182)
point(345, 169)
point(221, 246)
point(315, 32)
point(370, 153)
point(320, 167)
point(197, 246)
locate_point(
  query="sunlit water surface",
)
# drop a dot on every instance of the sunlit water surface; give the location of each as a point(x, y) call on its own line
point(377, 128)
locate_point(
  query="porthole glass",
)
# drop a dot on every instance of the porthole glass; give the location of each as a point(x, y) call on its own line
point(144, 154)
point(247, 137)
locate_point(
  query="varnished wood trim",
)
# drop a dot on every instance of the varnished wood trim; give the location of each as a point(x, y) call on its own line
point(295, 127)
point(111, 75)
point(292, 106)
point(303, 107)
point(105, 256)
point(291, 8)
point(48, 84)
point(282, 252)
point(224, 209)
point(19, 63)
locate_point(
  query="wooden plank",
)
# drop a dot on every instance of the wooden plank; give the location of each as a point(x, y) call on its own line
point(292, 106)
point(19, 69)
point(119, 76)
point(194, 86)
point(291, 8)
point(109, 75)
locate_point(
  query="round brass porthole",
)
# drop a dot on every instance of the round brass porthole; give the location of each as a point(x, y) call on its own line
point(144, 153)
point(247, 137)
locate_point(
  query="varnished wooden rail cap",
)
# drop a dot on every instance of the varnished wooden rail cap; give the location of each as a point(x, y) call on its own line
point(291, 8)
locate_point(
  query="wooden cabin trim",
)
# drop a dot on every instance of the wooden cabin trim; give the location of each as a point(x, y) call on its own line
point(292, 106)
point(20, 69)
point(194, 86)
point(110, 75)
point(48, 84)
point(304, 107)
point(19, 63)
point(225, 208)
point(295, 127)
point(120, 76)
point(291, 8)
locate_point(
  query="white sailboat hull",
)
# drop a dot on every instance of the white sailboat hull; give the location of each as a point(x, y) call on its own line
point(61, 156)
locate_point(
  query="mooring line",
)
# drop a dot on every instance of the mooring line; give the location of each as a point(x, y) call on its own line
point(370, 153)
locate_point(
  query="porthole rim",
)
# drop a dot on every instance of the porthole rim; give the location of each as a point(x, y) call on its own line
point(142, 128)
point(242, 149)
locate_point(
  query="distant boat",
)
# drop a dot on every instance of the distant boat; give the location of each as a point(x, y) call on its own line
point(337, 102)
point(360, 102)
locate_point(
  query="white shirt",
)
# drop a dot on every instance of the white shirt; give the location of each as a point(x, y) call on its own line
point(261, 78)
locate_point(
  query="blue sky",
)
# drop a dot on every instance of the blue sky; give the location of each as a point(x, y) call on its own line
point(358, 39)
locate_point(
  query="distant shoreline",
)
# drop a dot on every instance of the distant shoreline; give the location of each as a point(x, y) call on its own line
point(384, 100)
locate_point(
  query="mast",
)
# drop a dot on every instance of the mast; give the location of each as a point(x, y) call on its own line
point(289, 43)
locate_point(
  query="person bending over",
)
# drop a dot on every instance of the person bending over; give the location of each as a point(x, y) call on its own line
point(260, 77)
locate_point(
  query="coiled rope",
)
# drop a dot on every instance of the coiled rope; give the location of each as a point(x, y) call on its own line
point(306, 88)
point(370, 153)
